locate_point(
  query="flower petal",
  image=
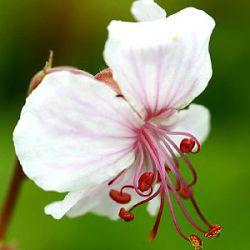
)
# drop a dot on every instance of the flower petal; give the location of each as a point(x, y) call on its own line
point(59, 208)
point(147, 10)
point(96, 201)
point(161, 64)
point(74, 133)
point(154, 205)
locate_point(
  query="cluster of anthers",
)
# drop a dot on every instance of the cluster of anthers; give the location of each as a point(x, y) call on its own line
point(155, 141)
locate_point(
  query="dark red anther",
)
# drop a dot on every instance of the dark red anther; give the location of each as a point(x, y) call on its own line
point(120, 197)
point(185, 192)
point(126, 215)
point(214, 232)
point(146, 181)
point(187, 145)
point(195, 241)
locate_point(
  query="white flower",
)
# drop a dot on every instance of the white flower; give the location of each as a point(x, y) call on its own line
point(111, 148)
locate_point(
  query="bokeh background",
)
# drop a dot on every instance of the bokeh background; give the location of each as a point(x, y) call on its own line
point(76, 31)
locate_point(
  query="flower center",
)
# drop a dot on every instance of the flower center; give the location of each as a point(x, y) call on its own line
point(157, 158)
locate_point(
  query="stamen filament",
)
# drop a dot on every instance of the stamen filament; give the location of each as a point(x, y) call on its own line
point(132, 187)
point(167, 178)
point(157, 149)
point(158, 219)
point(151, 150)
point(146, 200)
point(167, 138)
point(138, 171)
point(188, 135)
point(184, 183)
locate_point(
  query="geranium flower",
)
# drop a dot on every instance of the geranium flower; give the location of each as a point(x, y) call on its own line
point(113, 141)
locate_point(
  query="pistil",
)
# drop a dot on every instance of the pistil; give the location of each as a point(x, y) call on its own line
point(214, 232)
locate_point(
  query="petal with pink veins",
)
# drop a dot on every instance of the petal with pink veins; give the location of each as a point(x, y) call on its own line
point(74, 133)
point(162, 64)
point(96, 201)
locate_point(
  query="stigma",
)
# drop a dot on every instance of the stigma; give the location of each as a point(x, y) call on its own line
point(214, 232)
point(195, 241)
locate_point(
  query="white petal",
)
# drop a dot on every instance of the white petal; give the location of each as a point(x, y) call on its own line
point(147, 10)
point(88, 203)
point(194, 120)
point(96, 201)
point(74, 133)
point(101, 204)
point(153, 206)
point(161, 64)
point(59, 208)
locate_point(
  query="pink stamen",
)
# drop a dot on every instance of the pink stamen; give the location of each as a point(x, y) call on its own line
point(151, 150)
point(138, 170)
point(146, 200)
point(168, 139)
point(166, 177)
point(133, 187)
point(154, 231)
point(155, 146)
point(187, 135)
point(187, 187)
point(190, 194)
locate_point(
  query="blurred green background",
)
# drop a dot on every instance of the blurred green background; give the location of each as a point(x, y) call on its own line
point(76, 31)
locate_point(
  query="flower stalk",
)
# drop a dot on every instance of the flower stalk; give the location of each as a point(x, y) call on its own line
point(11, 199)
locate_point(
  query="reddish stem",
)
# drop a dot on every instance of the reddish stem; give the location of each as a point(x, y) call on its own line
point(11, 199)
